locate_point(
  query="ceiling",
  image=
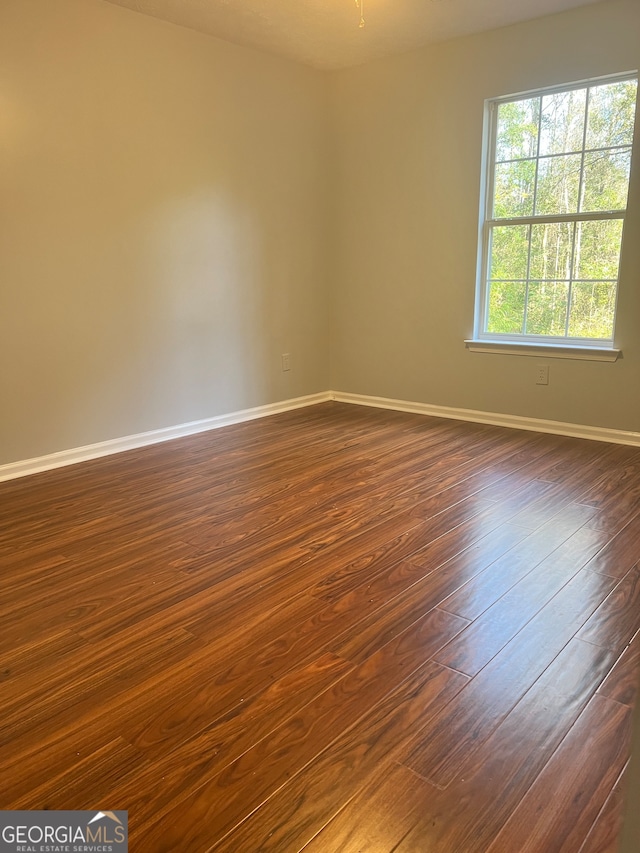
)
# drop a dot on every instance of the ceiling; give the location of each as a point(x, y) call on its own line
point(325, 33)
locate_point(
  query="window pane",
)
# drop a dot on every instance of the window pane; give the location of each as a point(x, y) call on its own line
point(517, 135)
point(551, 248)
point(509, 252)
point(562, 156)
point(606, 180)
point(612, 109)
point(562, 122)
point(598, 249)
point(506, 307)
point(558, 184)
point(513, 194)
point(592, 309)
point(547, 308)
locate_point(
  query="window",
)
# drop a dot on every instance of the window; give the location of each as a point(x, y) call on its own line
point(557, 178)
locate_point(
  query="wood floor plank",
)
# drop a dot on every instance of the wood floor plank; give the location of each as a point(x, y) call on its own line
point(238, 635)
point(379, 817)
point(257, 588)
point(617, 498)
point(238, 673)
point(201, 709)
point(122, 597)
point(380, 589)
point(559, 809)
point(556, 498)
point(37, 654)
point(471, 600)
point(620, 554)
point(623, 681)
point(468, 814)
point(474, 647)
point(87, 673)
point(228, 798)
point(618, 618)
point(245, 570)
point(78, 787)
point(440, 753)
point(445, 526)
point(295, 813)
point(174, 774)
point(381, 625)
point(581, 462)
point(605, 832)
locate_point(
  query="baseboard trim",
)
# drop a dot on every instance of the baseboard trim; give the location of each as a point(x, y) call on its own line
point(613, 436)
point(24, 468)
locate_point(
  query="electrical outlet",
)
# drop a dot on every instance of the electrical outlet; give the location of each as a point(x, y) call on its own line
point(542, 374)
point(286, 361)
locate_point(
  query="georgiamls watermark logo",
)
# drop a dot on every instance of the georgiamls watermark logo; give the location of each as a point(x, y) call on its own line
point(63, 832)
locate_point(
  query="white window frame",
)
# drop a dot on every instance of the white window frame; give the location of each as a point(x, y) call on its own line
point(522, 344)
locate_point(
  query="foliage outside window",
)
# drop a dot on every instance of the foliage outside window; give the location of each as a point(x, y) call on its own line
point(557, 183)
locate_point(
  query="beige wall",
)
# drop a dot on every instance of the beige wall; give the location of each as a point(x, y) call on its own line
point(162, 216)
point(176, 212)
point(409, 133)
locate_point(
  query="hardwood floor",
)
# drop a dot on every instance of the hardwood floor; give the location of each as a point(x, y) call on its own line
point(337, 630)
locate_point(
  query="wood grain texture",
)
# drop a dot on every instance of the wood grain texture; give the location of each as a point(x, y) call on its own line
point(379, 817)
point(174, 774)
point(292, 816)
point(563, 803)
point(441, 752)
point(605, 832)
point(246, 783)
point(335, 629)
point(468, 813)
point(618, 618)
point(620, 554)
point(473, 648)
point(624, 680)
point(480, 593)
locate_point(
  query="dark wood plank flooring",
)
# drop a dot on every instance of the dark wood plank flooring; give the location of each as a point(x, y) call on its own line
point(337, 630)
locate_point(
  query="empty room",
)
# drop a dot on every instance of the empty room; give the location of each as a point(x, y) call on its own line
point(320, 426)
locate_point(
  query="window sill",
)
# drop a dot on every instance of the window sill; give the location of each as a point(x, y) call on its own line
point(546, 350)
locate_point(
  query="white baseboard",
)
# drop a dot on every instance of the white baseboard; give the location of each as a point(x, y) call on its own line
point(613, 436)
point(25, 467)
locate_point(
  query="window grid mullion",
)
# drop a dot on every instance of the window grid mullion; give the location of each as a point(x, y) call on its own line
point(590, 216)
point(571, 280)
point(537, 158)
point(558, 280)
point(584, 144)
point(526, 283)
point(533, 211)
point(604, 149)
point(572, 270)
